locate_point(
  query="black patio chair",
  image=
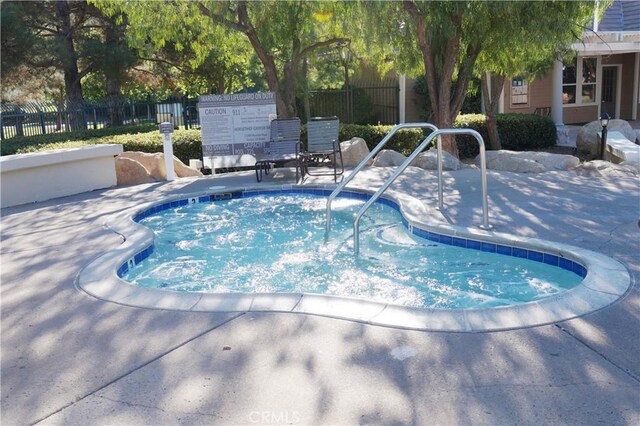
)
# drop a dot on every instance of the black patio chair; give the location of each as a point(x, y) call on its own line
point(323, 146)
point(282, 148)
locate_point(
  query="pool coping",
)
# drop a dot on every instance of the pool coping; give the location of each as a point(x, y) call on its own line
point(606, 280)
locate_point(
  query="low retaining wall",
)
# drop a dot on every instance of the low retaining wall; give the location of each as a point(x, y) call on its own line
point(39, 176)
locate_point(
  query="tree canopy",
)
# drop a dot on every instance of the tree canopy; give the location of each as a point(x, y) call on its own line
point(451, 41)
point(282, 34)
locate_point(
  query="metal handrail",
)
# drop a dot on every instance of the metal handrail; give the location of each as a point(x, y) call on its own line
point(403, 166)
point(364, 162)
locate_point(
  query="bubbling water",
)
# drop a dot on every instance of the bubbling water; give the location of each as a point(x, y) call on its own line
point(275, 243)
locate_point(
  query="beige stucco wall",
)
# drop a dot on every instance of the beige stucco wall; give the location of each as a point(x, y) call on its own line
point(40, 176)
point(626, 91)
point(539, 96)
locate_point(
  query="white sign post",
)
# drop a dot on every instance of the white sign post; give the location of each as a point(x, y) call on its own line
point(235, 128)
point(166, 129)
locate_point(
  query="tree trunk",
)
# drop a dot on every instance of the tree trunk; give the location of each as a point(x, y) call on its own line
point(73, 88)
point(305, 75)
point(491, 101)
point(290, 86)
point(270, 70)
point(113, 77)
point(441, 63)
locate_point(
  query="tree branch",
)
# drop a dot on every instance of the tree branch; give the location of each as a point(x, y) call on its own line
point(325, 43)
point(92, 67)
point(220, 19)
point(465, 71)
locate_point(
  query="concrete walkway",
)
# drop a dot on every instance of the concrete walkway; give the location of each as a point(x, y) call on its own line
point(68, 358)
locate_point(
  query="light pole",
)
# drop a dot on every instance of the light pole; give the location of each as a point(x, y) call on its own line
point(604, 121)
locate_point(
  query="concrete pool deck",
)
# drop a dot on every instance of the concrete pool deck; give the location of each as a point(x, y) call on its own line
point(68, 358)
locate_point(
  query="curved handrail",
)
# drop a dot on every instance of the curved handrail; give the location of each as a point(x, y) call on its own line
point(409, 160)
point(364, 162)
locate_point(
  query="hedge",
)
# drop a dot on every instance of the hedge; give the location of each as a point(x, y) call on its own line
point(518, 132)
point(23, 144)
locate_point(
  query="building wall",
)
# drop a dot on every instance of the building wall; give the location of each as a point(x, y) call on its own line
point(579, 115)
point(539, 96)
point(627, 74)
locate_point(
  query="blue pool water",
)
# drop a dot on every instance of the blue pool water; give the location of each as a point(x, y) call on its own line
point(275, 243)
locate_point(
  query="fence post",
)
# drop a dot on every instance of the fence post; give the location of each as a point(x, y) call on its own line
point(95, 119)
point(1, 128)
point(42, 125)
point(397, 103)
point(19, 128)
point(185, 112)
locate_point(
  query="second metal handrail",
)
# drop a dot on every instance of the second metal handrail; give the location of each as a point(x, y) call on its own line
point(409, 160)
point(364, 162)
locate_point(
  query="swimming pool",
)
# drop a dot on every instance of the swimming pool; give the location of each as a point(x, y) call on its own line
point(605, 279)
point(274, 243)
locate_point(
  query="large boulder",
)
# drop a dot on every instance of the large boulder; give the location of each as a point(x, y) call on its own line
point(353, 151)
point(587, 139)
point(599, 168)
point(130, 172)
point(527, 161)
point(429, 160)
point(154, 163)
point(388, 157)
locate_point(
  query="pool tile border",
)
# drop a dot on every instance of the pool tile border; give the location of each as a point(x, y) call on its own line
point(604, 279)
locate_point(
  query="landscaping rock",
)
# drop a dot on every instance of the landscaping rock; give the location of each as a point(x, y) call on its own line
point(353, 151)
point(599, 168)
point(587, 139)
point(154, 163)
point(182, 170)
point(429, 160)
point(388, 157)
point(508, 162)
point(130, 172)
point(552, 161)
point(528, 162)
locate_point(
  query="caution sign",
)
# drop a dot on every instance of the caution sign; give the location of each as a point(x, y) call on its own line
point(235, 128)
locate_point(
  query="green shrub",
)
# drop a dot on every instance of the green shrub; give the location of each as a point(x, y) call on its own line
point(518, 132)
point(404, 141)
point(22, 144)
point(187, 144)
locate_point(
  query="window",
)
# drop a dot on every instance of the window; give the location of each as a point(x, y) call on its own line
point(569, 83)
point(589, 67)
point(519, 92)
point(579, 91)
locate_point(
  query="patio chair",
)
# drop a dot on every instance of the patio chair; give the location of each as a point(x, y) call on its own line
point(323, 147)
point(283, 147)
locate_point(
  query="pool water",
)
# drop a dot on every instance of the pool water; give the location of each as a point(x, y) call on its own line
point(275, 243)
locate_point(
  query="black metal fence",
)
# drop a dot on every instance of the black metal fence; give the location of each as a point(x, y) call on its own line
point(360, 105)
point(50, 117)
